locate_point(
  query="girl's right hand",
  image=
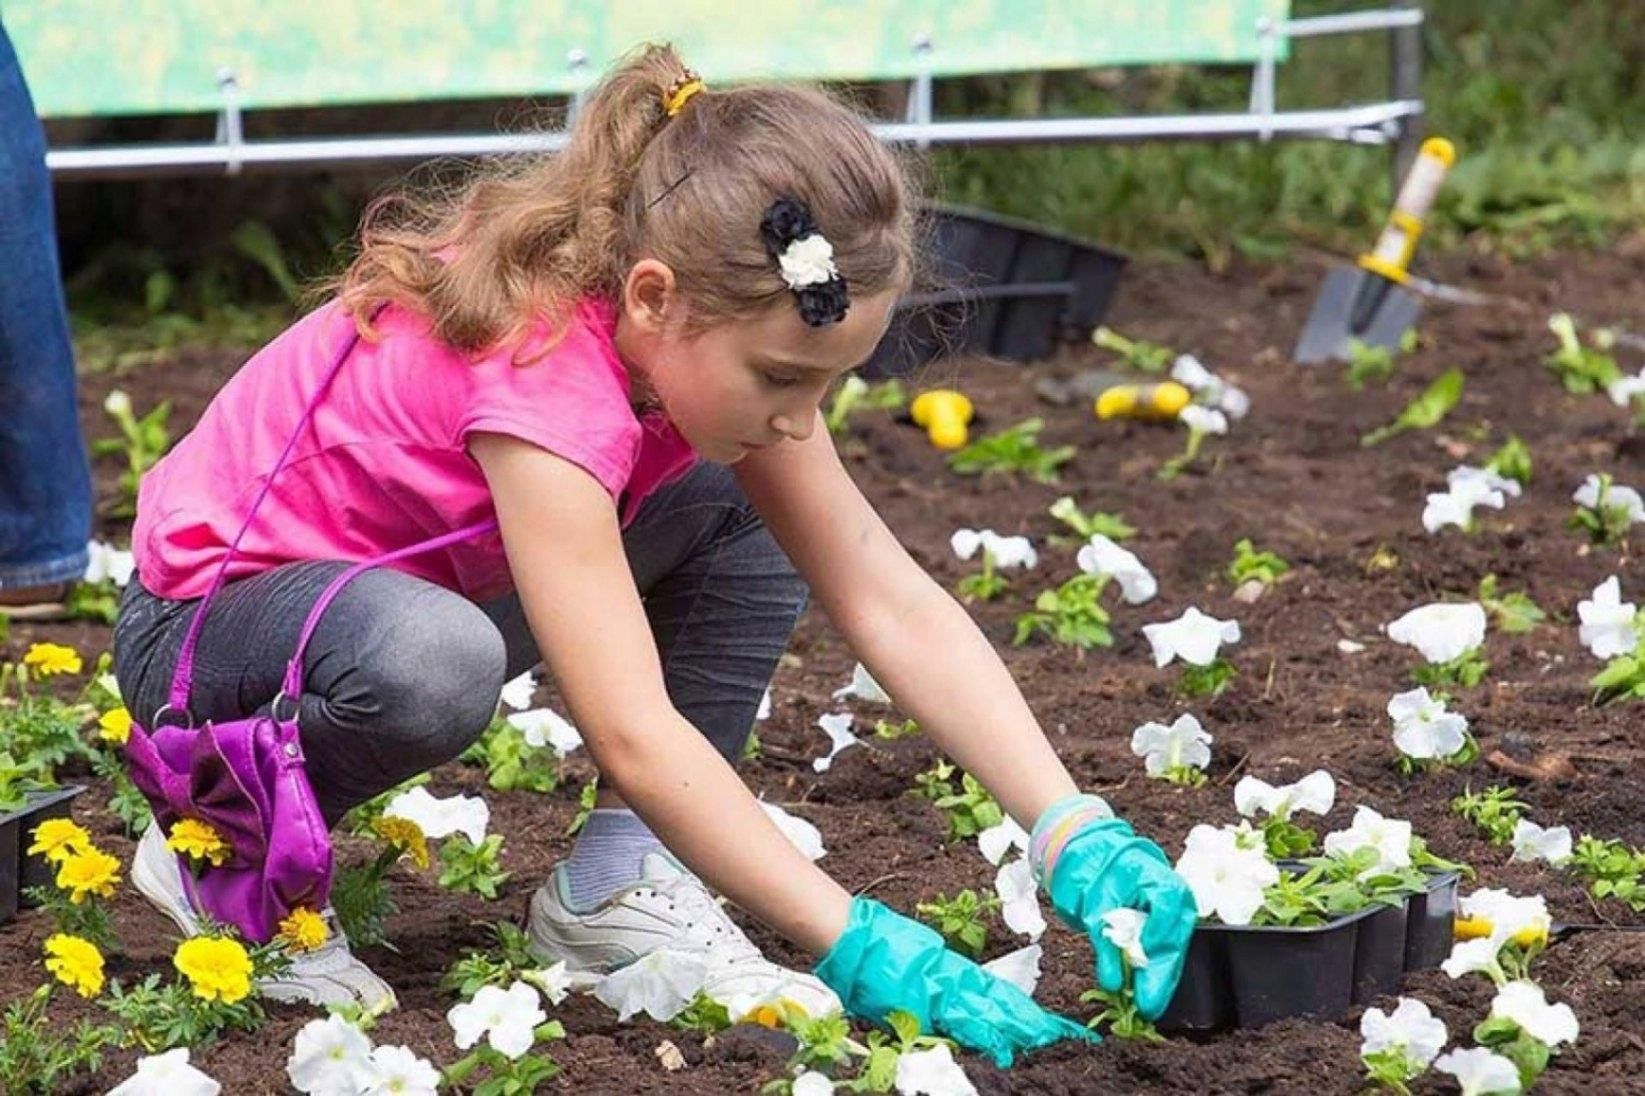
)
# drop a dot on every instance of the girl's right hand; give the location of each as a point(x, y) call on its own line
point(884, 962)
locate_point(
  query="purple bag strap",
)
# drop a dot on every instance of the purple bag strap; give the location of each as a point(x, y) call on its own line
point(182, 679)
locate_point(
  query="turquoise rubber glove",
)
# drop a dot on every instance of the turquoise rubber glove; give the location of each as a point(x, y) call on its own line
point(884, 962)
point(1106, 866)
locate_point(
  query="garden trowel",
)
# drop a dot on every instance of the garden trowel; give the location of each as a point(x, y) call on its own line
point(1370, 302)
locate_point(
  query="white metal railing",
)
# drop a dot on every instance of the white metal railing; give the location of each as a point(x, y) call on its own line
point(1371, 123)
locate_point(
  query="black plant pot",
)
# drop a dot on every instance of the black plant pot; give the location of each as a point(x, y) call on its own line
point(1248, 976)
point(1008, 288)
point(1379, 953)
point(1430, 923)
point(18, 870)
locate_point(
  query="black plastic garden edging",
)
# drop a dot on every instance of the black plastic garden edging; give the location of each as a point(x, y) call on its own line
point(18, 870)
point(1005, 288)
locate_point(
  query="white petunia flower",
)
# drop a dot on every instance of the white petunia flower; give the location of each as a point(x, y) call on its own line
point(1210, 389)
point(1105, 559)
point(838, 729)
point(1532, 842)
point(1625, 389)
point(1480, 482)
point(117, 403)
point(546, 727)
point(932, 1073)
point(996, 841)
point(507, 1019)
point(1477, 956)
point(812, 1083)
point(1123, 928)
point(1314, 793)
point(1442, 631)
point(517, 694)
point(105, 561)
point(1444, 508)
point(167, 1074)
point(1466, 488)
point(863, 687)
point(1019, 898)
point(1588, 495)
point(1390, 837)
point(660, 984)
point(1021, 967)
point(1205, 420)
point(1007, 552)
point(1183, 744)
point(1226, 877)
point(1423, 728)
point(1607, 621)
point(1411, 1026)
point(437, 818)
point(1480, 1072)
point(807, 261)
point(553, 982)
point(1508, 914)
point(804, 836)
point(400, 1071)
point(764, 711)
point(1192, 637)
point(331, 1057)
point(1525, 1004)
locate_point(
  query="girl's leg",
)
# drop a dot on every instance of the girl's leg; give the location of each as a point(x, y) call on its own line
point(399, 676)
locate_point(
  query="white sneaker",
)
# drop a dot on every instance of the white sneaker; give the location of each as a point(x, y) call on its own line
point(328, 975)
point(669, 907)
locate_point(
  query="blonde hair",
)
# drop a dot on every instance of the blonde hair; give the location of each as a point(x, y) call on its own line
point(525, 240)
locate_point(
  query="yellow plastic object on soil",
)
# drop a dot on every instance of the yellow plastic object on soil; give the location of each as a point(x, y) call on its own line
point(1154, 402)
point(944, 413)
point(1475, 928)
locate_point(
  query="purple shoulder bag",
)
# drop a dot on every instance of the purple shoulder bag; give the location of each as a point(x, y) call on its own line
point(246, 778)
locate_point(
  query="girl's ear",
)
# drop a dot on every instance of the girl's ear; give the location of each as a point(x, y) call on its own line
point(649, 296)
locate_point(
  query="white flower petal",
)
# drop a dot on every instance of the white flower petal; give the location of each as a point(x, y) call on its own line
point(399, 1071)
point(1122, 927)
point(837, 727)
point(1203, 419)
point(1608, 624)
point(1411, 1025)
point(546, 727)
point(1441, 631)
point(1525, 1004)
point(932, 1073)
point(168, 1074)
point(660, 984)
point(863, 687)
point(1480, 1072)
point(812, 1083)
point(1532, 842)
point(330, 1057)
point(1102, 557)
point(1019, 897)
point(1021, 967)
point(805, 837)
point(996, 841)
point(517, 693)
point(1193, 637)
point(437, 818)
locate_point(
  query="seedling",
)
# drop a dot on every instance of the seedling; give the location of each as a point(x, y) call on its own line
point(585, 806)
point(1513, 460)
point(1201, 423)
point(1465, 671)
point(1368, 363)
point(1623, 677)
point(1112, 526)
point(1211, 680)
point(1600, 513)
point(856, 394)
point(511, 763)
point(704, 1016)
point(1428, 409)
point(961, 919)
point(143, 441)
point(1069, 614)
point(40, 1053)
point(1581, 369)
point(465, 866)
point(1250, 564)
point(500, 966)
point(970, 810)
point(1145, 357)
point(886, 729)
point(1015, 449)
point(1494, 811)
point(1514, 611)
point(1613, 870)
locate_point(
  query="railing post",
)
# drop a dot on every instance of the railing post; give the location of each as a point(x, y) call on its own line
point(230, 131)
point(1405, 83)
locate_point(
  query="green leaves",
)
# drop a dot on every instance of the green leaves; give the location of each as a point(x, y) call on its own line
point(1249, 564)
point(1015, 449)
point(1581, 369)
point(962, 919)
point(1515, 612)
point(1069, 614)
point(1145, 357)
point(1112, 526)
point(1494, 811)
point(1428, 409)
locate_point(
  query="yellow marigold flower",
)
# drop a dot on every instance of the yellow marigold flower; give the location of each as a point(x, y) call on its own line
point(76, 962)
point(86, 872)
point(58, 839)
point(197, 840)
point(218, 968)
point(52, 658)
point(405, 835)
point(115, 726)
point(304, 930)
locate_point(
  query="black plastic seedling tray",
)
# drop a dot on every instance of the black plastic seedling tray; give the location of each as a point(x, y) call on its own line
point(18, 870)
point(1006, 288)
point(1430, 923)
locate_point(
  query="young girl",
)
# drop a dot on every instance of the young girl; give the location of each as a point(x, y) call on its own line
point(620, 351)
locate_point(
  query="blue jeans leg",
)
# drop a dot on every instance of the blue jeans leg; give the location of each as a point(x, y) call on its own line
point(45, 480)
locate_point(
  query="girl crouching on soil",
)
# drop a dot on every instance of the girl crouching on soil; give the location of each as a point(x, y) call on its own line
point(619, 352)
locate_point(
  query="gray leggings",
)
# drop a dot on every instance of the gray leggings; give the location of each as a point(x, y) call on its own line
point(402, 675)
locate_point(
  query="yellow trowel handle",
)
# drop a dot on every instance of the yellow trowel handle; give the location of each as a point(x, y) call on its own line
point(1474, 928)
point(1392, 256)
point(1152, 402)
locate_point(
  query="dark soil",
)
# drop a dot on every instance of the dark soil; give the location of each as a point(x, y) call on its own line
point(1292, 477)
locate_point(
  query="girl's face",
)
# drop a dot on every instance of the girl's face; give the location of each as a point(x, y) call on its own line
point(745, 384)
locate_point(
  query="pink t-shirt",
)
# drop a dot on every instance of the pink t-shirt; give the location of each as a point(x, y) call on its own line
point(384, 463)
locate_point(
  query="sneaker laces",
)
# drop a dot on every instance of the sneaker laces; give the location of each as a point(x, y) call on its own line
point(707, 925)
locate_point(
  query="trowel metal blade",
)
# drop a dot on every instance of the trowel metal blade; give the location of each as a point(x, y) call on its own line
point(1327, 333)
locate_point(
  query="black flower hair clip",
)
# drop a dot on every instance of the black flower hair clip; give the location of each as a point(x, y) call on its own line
point(805, 259)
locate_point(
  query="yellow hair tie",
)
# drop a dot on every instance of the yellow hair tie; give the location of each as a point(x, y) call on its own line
point(680, 94)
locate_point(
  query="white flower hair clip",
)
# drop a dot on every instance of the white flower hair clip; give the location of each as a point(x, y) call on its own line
point(805, 260)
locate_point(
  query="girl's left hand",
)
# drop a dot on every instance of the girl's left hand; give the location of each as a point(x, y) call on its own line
point(1099, 864)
